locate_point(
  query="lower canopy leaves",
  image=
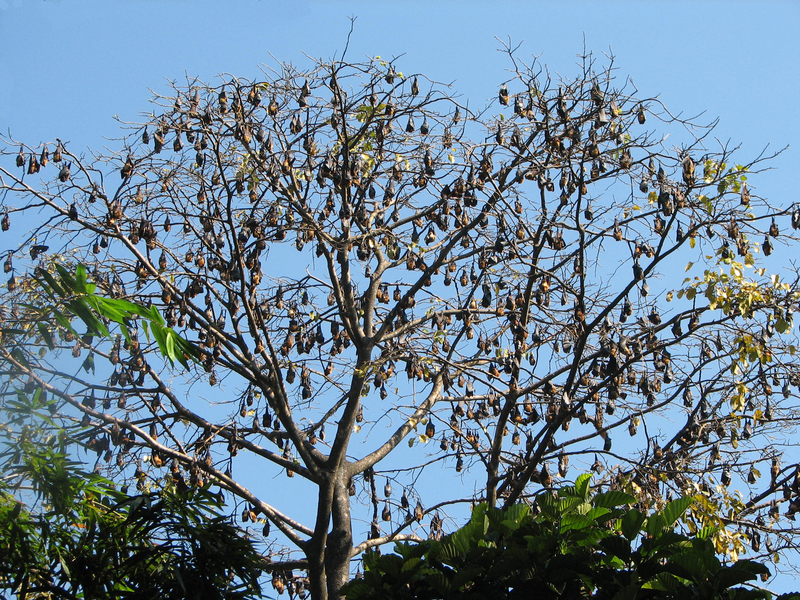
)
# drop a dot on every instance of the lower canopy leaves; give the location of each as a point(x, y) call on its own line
point(575, 543)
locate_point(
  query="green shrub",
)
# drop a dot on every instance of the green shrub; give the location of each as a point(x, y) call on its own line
point(574, 543)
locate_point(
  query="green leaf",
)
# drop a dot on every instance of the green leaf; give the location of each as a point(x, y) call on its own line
point(463, 539)
point(600, 514)
point(114, 309)
point(439, 582)
point(613, 499)
point(513, 516)
point(656, 523)
point(582, 485)
point(628, 592)
point(675, 509)
point(568, 504)
point(161, 338)
point(169, 345)
point(696, 564)
point(44, 331)
point(50, 284)
point(664, 582)
point(740, 572)
point(81, 281)
point(707, 532)
point(616, 546)
point(146, 329)
point(631, 523)
point(575, 521)
point(20, 357)
point(781, 326)
point(411, 564)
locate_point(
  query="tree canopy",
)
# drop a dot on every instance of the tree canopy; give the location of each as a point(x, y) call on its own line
point(350, 260)
point(576, 544)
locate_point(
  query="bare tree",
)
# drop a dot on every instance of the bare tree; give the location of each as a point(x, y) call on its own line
point(359, 256)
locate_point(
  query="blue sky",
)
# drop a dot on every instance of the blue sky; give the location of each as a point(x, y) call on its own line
point(67, 67)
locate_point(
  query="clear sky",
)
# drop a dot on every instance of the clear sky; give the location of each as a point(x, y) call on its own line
point(67, 67)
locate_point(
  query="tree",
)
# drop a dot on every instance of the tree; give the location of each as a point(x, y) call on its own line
point(578, 544)
point(362, 260)
point(66, 533)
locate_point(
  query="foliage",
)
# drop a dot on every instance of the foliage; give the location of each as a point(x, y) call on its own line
point(576, 543)
point(68, 296)
point(364, 279)
point(66, 533)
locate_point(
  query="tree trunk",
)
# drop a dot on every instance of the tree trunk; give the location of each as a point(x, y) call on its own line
point(340, 539)
point(328, 553)
point(317, 582)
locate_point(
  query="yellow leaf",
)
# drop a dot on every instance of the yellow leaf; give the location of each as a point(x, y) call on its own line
point(689, 266)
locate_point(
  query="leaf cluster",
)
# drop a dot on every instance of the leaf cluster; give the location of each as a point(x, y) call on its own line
point(576, 542)
point(67, 533)
point(76, 296)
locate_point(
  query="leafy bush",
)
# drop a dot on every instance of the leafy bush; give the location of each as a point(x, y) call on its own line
point(574, 543)
point(68, 533)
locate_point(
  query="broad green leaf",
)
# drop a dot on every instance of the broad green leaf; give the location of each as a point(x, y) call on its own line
point(707, 532)
point(616, 546)
point(700, 563)
point(628, 592)
point(613, 499)
point(411, 564)
point(655, 524)
point(631, 523)
point(664, 582)
point(513, 516)
point(568, 504)
point(740, 572)
point(582, 485)
point(440, 583)
point(600, 514)
point(675, 509)
point(576, 521)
